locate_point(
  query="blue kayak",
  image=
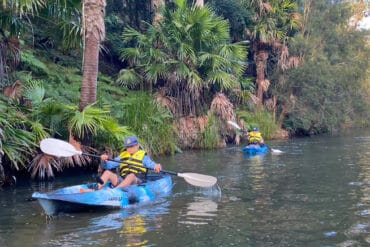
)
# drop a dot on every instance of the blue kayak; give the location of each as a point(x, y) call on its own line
point(254, 149)
point(70, 199)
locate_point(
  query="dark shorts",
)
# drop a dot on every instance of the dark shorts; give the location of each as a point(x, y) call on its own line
point(141, 177)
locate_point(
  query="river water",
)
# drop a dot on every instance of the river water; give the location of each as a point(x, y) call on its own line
point(316, 193)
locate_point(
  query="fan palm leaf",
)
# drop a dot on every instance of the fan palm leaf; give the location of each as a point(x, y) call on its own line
point(189, 50)
point(89, 120)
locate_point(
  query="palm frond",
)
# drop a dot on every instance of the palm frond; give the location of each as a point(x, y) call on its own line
point(88, 121)
point(43, 164)
point(129, 78)
point(222, 107)
point(34, 91)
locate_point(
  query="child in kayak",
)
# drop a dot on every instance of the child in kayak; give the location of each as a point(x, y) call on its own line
point(132, 163)
point(255, 137)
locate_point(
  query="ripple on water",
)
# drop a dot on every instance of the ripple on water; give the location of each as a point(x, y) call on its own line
point(364, 212)
point(357, 229)
point(330, 233)
point(199, 212)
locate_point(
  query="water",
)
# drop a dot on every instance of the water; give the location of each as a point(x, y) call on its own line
point(316, 193)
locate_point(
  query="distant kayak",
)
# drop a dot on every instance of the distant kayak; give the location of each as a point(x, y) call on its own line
point(70, 199)
point(254, 149)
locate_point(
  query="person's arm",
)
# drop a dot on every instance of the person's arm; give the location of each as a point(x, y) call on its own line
point(246, 134)
point(107, 164)
point(149, 163)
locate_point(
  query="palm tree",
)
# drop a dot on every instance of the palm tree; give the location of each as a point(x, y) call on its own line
point(187, 54)
point(17, 19)
point(273, 24)
point(188, 58)
point(93, 35)
point(14, 18)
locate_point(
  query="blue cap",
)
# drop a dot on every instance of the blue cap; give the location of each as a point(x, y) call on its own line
point(255, 129)
point(130, 141)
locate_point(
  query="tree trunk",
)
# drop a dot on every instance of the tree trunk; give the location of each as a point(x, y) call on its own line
point(284, 111)
point(260, 59)
point(90, 73)
point(94, 33)
point(2, 173)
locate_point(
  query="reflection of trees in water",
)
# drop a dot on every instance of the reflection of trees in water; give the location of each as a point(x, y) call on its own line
point(361, 228)
point(278, 214)
point(259, 183)
point(199, 212)
point(262, 191)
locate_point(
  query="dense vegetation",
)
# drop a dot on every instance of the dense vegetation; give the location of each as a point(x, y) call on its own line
point(173, 73)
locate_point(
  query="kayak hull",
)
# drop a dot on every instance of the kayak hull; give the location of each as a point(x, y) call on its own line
point(252, 149)
point(70, 199)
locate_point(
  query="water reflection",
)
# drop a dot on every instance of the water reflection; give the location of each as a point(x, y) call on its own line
point(361, 227)
point(259, 181)
point(255, 157)
point(126, 227)
point(316, 194)
point(199, 212)
point(132, 230)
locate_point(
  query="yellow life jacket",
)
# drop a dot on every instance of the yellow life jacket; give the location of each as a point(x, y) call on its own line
point(254, 137)
point(132, 163)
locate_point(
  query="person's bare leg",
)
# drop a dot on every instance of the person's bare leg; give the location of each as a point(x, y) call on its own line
point(107, 176)
point(129, 180)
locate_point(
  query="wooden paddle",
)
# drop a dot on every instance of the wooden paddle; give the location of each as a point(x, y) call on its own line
point(59, 148)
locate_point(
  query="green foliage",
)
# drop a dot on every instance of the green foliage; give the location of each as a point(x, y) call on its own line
point(325, 91)
point(33, 64)
point(210, 137)
point(16, 131)
point(188, 53)
point(259, 118)
point(34, 91)
point(15, 14)
point(235, 13)
point(92, 121)
point(150, 122)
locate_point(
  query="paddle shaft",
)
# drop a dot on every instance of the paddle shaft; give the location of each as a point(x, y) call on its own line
point(61, 148)
point(118, 161)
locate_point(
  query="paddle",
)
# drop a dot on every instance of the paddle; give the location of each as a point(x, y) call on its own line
point(235, 125)
point(61, 148)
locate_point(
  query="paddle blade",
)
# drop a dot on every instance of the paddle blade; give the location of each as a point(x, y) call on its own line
point(58, 148)
point(234, 124)
point(276, 151)
point(198, 179)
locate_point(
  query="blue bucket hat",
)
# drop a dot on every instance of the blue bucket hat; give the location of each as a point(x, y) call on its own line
point(130, 141)
point(255, 129)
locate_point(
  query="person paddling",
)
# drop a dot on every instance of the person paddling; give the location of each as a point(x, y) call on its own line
point(133, 164)
point(254, 137)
